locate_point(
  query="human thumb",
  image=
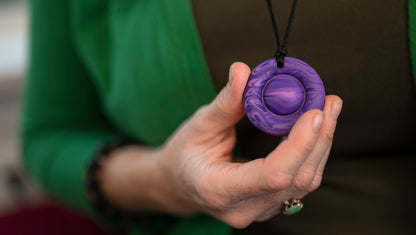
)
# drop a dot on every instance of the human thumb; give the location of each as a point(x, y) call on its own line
point(227, 108)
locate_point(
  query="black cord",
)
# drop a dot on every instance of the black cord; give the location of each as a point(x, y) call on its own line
point(281, 51)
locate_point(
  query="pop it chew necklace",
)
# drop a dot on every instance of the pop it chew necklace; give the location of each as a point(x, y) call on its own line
point(281, 89)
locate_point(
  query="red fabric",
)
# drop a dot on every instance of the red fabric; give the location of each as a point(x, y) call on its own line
point(47, 220)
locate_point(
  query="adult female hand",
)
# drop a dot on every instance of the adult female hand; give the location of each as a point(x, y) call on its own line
point(193, 171)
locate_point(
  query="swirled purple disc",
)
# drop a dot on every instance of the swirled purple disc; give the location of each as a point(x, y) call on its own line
point(274, 98)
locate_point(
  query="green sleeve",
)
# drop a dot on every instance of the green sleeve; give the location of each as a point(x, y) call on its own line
point(62, 120)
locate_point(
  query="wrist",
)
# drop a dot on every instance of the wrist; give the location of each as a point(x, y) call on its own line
point(133, 179)
point(129, 178)
point(94, 186)
point(171, 192)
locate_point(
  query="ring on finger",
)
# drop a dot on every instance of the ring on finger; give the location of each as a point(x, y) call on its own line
point(291, 206)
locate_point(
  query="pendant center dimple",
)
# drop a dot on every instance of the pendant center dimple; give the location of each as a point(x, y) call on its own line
point(284, 95)
point(275, 98)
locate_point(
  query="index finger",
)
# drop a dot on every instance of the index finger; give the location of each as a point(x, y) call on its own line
point(276, 171)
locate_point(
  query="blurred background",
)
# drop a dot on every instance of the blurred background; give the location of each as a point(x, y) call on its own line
point(16, 190)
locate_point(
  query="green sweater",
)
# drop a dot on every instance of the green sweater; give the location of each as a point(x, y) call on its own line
point(100, 69)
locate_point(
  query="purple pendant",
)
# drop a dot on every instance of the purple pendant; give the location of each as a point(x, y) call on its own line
point(275, 98)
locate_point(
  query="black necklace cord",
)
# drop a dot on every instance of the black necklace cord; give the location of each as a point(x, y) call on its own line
point(281, 51)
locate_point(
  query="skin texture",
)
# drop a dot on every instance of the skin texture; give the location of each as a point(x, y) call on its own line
point(193, 171)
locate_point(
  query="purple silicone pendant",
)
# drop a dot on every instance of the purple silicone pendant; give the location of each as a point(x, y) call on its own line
point(275, 98)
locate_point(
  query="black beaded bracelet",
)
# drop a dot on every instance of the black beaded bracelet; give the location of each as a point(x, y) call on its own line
point(92, 185)
point(104, 207)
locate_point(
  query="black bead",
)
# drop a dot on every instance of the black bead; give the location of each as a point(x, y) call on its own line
point(93, 166)
point(92, 185)
point(280, 62)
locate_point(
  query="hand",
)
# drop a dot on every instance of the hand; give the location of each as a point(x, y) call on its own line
point(199, 176)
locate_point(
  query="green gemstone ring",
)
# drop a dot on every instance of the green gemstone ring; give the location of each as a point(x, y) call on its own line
point(291, 206)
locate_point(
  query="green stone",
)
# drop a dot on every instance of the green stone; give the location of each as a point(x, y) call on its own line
point(293, 209)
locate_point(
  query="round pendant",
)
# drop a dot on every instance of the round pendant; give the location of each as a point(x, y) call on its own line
point(274, 98)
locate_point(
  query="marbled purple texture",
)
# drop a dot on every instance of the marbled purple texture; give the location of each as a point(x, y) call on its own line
point(272, 118)
point(283, 95)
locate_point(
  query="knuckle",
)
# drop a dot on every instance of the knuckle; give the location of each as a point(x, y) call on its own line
point(316, 183)
point(199, 117)
point(201, 112)
point(328, 136)
point(277, 181)
point(262, 219)
point(221, 100)
point(223, 105)
point(302, 181)
point(215, 203)
point(211, 199)
point(238, 221)
point(266, 216)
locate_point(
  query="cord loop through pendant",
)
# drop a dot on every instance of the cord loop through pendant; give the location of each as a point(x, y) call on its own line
point(281, 51)
point(280, 57)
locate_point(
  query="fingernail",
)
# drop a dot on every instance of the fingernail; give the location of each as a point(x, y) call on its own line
point(317, 122)
point(230, 75)
point(336, 109)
